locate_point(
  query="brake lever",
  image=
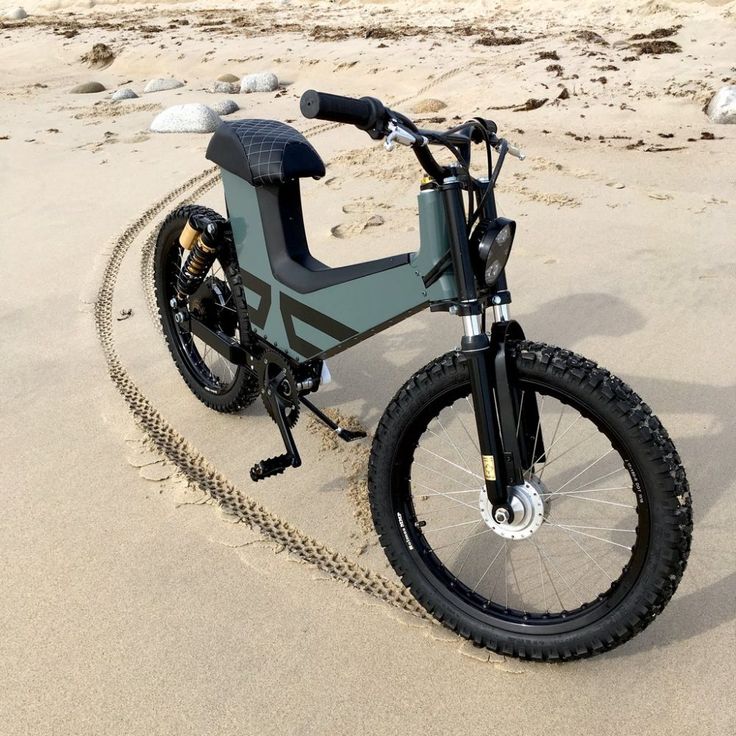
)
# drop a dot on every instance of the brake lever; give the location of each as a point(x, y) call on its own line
point(501, 145)
point(401, 135)
point(516, 152)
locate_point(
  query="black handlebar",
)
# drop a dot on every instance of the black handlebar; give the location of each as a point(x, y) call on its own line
point(367, 113)
point(371, 115)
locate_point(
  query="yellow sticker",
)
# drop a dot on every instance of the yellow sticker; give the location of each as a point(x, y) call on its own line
point(489, 467)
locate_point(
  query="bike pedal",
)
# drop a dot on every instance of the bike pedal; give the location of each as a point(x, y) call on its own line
point(350, 435)
point(273, 466)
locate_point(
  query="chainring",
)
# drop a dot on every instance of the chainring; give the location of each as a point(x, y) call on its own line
point(275, 375)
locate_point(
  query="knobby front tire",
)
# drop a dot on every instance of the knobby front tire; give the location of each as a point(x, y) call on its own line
point(609, 516)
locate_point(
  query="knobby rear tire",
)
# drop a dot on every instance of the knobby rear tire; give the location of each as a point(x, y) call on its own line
point(620, 413)
point(244, 387)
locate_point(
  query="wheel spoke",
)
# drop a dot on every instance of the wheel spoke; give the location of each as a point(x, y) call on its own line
point(538, 432)
point(444, 495)
point(589, 490)
point(595, 500)
point(473, 442)
point(444, 475)
point(452, 526)
point(595, 480)
point(559, 439)
point(585, 534)
point(587, 554)
point(495, 557)
point(595, 462)
point(465, 470)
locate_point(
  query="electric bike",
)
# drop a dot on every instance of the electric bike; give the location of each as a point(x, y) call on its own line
point(529, 499)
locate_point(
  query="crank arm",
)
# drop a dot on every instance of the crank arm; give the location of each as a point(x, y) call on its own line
point(290, 459)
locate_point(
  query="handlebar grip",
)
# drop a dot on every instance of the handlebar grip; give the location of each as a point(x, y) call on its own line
point(364, 113)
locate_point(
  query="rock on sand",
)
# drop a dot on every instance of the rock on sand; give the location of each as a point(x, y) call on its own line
point(100, 57)
point(190, 118)
point(159, 85)
point(263, 82)
point(429, 105)
point(124, 93)
point(225, 107)
point(86, 88)
point(16, 14)
point(722, 108)
point(228, 78)
point(225, 88)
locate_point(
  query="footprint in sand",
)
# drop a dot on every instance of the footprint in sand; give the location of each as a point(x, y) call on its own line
point(362, 206)
point(349, 229)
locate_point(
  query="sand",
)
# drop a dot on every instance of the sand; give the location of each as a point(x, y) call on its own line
point(130, 603)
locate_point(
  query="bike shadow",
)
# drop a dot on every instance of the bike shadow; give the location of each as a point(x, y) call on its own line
point(368, 376)
point(687, 616)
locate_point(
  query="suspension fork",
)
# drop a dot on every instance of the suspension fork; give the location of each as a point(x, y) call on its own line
point(503, 449)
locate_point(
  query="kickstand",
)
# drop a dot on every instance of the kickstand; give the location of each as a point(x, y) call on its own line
point(344, 434)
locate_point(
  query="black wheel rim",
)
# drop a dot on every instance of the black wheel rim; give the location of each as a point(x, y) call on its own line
point(211, 370)
point(488, 608)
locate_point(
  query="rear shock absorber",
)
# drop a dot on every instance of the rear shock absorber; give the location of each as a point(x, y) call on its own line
point(201, 239)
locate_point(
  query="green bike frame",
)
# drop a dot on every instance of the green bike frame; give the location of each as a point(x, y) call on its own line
point(318, 323)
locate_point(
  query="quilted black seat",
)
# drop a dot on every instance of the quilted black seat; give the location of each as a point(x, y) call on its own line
point(264, 152)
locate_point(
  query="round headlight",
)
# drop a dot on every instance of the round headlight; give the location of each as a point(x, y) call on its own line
point(495, 247)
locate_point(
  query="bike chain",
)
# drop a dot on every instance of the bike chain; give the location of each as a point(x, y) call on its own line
point(189, 461)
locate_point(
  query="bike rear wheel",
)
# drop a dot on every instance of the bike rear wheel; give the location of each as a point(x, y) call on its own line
point(218, 383)
point(601, 528)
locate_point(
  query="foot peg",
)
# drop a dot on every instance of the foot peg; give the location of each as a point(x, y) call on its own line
point(273, 466)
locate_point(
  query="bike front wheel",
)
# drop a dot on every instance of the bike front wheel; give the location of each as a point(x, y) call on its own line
point(602, 523)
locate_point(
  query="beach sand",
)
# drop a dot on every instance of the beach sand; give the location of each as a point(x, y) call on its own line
point(130, 603)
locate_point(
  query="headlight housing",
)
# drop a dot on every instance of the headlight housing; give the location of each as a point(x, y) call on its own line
point(492, 241)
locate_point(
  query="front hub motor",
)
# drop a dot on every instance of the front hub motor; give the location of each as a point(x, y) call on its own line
point(529, 508)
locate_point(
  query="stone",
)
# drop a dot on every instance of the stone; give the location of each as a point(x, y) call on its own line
point(124, 93)
point(16, 14)
point(86, 88)
point(722, 107)
point(225, 107)
point(189, 118)
point(228, 78)
point(100, 57)
point(160, 85)
point(262, 82)
point(225, 88)
point(429, 105)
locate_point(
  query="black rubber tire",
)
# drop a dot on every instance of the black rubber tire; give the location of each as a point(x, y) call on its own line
point(244, 388)
point(620, 411)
